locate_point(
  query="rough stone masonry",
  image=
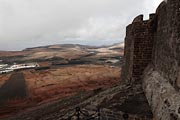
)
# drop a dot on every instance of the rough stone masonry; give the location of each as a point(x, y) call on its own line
point(152, 58)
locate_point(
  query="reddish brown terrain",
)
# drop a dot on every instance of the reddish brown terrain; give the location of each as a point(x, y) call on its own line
point(61, 82)
point(69, 70)
point(48, 85)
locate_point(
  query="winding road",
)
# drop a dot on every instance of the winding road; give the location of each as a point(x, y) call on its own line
point(13, 88)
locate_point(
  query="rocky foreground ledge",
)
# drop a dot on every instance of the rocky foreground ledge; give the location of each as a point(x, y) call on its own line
point(113, 103)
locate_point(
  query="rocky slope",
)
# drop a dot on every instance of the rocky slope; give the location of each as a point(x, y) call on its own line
point(113, 103)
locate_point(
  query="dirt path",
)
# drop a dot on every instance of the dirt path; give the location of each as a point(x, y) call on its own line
point(13, 88)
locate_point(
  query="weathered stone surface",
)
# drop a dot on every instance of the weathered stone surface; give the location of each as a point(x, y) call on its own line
point(167, 40)
point(128, 58)
point(162, 96)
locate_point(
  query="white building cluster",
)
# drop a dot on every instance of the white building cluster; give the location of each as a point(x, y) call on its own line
point(5, 68)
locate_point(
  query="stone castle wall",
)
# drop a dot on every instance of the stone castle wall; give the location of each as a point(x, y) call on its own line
point(167, 42)
point(152, 58)
point(138, 48)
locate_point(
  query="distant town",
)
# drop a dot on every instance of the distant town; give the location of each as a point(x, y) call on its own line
point(6, 68)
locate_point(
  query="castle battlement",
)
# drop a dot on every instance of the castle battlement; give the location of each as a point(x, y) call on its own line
point(152, 59)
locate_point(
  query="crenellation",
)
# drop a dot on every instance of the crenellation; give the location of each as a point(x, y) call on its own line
point(142, 33)
point(138, 19)
point(152, 16)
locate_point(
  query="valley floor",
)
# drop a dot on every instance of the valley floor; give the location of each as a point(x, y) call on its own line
point(46, 86)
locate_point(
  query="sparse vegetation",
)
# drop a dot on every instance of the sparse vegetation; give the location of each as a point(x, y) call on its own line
point(64, 71)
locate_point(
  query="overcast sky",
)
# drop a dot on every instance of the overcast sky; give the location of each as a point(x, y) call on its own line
point(29, 23)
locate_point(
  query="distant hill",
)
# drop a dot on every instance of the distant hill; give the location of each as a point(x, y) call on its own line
point(66, 46)
point(60, 52)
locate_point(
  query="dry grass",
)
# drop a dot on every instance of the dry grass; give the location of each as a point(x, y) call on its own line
point(66, 81)
point(67, 54)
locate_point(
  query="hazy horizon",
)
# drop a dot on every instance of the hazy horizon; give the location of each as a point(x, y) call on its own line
point(70, 43)
point(32, 23)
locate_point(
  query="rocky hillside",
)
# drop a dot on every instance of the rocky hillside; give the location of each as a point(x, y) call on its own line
point(62, 53)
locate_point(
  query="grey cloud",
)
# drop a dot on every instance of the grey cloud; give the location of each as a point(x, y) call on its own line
point(26, 23)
